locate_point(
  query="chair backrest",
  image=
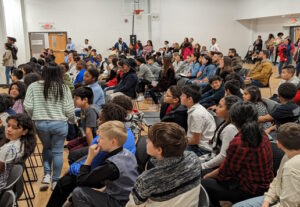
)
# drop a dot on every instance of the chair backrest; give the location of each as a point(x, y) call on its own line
point(15, 175)
point(141, 154)
point(270, 104)
point(277, 157)
point(268, 84)
point(203, 198)
point(7, 199)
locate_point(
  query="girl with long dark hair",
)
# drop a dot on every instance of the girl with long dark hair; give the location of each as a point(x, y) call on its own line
point(49, 102)
point(247, 170)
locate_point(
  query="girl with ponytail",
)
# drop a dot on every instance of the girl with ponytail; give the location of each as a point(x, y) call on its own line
point(247, 169)
point(223, 135)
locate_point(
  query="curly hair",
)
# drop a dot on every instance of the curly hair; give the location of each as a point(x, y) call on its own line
point(28, 140)
point(22, 89)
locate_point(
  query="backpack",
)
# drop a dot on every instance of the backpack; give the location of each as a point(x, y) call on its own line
point(14, 52)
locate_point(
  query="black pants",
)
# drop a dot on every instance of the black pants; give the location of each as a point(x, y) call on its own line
point(141, 85)
point(87, 197)
point(62, 190)
point(276, 55)
point(224, 191)
point(154, 94)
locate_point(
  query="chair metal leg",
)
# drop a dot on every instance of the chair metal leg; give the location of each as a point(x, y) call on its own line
point(39, 154)
point(27, 196)
point(30, 184)
point(31, 166)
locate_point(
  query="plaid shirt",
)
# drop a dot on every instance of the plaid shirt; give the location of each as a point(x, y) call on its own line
point(252, 167)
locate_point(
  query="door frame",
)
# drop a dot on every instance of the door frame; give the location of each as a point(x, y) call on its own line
point(48, 34)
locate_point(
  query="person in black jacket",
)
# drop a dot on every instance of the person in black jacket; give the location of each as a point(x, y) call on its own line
point(215, 94)
point(171, 110)
point(129, 80)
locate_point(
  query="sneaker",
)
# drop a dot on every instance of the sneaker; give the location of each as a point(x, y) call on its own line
point(45, 182)
point(140, 98)
point(53, 185)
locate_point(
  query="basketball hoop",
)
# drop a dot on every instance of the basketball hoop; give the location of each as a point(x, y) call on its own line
point(138, 11)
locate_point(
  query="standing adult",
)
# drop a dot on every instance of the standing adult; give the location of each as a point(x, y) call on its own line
point(270, 45)
point(121, 46)
point(214, 45)
point(257, 45)
point(7, 61)
point(49, 103)
point(14, 49)
point(70, 46)
point(277, 43)
point(86, 43)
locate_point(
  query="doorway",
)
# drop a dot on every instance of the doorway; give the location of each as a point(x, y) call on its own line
point(57, 41)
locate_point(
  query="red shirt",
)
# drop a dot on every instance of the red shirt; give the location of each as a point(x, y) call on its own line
point(252, 167)
point(297, 98)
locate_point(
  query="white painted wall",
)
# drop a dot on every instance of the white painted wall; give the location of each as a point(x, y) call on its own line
point(202, 20)
point(250, 9)
point(101, 21)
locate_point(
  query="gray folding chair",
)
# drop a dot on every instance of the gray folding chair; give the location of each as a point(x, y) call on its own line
point(7, 199)
point(203, 198)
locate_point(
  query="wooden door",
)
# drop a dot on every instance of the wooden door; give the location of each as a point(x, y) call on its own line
point(58, 43)
point(297, 33)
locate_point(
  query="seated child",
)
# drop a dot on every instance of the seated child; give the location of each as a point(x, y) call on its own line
point(20, 144)
point(134, 118)
point(67, 79)
point(284, 189)
point(214, 95)
point(80, 67)
point(287, 75)
point(285, 112)
point(17, 91)
point(253, 95)
point(247, 169)
point(201, 124)
point(83, 98)
point(67, 183)
point(232, 87)
point(224, 133)
point(117, 174)
point(16, 75)
point(171, 109)
point(174, 179)
point(9, 102)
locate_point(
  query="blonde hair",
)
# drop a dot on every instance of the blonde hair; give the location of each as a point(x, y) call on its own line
point(114, 130)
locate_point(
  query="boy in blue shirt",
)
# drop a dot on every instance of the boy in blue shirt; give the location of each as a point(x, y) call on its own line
point(81, 67)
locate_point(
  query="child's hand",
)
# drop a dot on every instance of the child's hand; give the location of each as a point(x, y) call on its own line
point(93, 151)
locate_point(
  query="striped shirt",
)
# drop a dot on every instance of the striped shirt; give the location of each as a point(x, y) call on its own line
point(40, 109)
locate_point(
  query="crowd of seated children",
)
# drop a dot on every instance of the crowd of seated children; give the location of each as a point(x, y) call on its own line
point(66, 184)
point(117, 173)
point(286, 111)
point(171, 109)
point(260, 74)
point(17, 144)
point(134, 119)
point(83, 99)
point(17, 90)
point(223, 135)
point(287, 76)
point(247, 169)
point(166, 145)
point(201, 124)
point(284, 189)
point(253, 95)
point(214, 95)
point(166, 79)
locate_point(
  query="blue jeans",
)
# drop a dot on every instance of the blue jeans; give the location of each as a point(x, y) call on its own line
point(252, 202)
point(257, 83)
point(52, 135)
point(7, 73)
point(280, 67)
point(197, 150)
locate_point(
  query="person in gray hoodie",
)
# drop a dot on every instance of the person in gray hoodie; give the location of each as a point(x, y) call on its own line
point(144, 74)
